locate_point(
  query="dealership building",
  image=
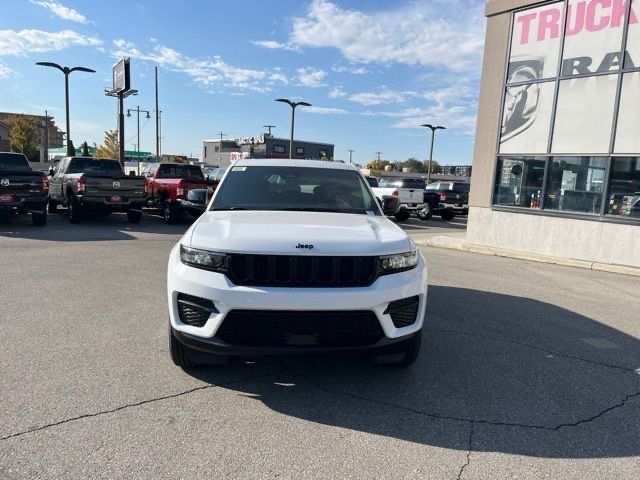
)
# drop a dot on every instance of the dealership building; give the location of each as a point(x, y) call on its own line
point(556, 167)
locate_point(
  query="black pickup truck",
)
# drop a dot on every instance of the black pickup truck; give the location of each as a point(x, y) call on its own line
point(100, 185)
point(447, 199)
point(22, 190)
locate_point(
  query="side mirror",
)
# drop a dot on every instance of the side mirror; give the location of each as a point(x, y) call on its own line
point(390, 205)
point(52, 172)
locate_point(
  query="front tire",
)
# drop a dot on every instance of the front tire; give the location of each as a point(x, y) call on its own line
point(170, 213)
point(404, 358)
point(39, 219)
point(447, 215)
point(424, 213)
point(180, 355)
point(402, 216)
point(52, 206)
point(134, 216)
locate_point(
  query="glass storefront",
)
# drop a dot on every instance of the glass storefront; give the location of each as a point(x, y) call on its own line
point(570, 133)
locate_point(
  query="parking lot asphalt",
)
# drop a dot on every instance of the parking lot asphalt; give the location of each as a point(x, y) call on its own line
point(528, 370)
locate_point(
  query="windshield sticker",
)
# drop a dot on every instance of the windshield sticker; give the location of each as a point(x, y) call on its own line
point(370, 213)
point(239, 169)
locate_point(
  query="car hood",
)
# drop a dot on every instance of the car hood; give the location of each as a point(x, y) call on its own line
point(276, 233)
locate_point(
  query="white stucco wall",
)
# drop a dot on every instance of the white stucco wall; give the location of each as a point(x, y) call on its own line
point(592, 241)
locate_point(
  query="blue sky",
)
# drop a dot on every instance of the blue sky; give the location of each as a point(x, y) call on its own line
point(374, 70)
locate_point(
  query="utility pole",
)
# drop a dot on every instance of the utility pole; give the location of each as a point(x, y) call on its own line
point(269, 127)
point(46, 135)
point(351, 155)
point(138, 111)
point(157, 120)
point(160, 133)
point(378, 154)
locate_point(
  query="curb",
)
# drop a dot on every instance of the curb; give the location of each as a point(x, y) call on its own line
point(456, 243)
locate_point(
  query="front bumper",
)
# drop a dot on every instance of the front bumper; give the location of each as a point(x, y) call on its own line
point(226, 297)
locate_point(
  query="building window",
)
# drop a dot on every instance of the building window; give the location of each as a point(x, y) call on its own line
point(205, 151)
point(216, 148)
point(571, 97)
point(623, 194)
point(279, 149)
point(576, 184)
point(299, 150)
point(519, 182)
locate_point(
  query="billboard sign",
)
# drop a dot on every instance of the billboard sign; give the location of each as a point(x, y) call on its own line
point(122, 76)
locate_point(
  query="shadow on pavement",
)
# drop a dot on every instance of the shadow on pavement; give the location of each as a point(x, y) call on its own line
point(528, 377)
point(93, 228)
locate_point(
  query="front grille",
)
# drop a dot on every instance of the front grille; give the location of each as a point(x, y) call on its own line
point(194, 311)
point(403, 312)
point(301, 271)
point(300, 328)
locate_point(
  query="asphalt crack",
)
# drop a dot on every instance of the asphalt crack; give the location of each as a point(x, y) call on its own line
point(533, 347)
point(469, 450)
point(138, 404)
point(481, 421)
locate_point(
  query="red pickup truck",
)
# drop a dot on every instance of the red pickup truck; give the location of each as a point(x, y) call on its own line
point(176, 189)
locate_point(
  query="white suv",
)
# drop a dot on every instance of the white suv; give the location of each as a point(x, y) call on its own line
point(295, 257)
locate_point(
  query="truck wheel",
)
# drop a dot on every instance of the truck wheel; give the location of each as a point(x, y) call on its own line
point(134, 216)
point(74, 210)
point(52, 206)
point(403, 358)
point(171, 216)
point(39, 219)
point(402, 215)
point(447, 215)
point(424, 213)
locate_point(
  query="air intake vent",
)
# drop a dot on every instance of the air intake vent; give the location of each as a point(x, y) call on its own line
point(194, 311)
point(403, 312)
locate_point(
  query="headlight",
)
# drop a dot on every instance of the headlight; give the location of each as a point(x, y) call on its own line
point(204, 259)
point(398, 263)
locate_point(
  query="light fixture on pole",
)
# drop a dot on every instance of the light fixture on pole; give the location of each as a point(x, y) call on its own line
point(293, 106)
point(433, 129)
point(138, 111)
point(67, 71)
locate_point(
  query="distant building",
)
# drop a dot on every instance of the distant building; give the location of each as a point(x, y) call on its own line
point(56, 136)
point(457, 170)
point(222, 152)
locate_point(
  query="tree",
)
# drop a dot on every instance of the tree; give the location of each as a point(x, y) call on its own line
point(435, 166)
point(414, 165)
point(378, 164)
point(85, 149)
point(111, 148)
point(23, 135)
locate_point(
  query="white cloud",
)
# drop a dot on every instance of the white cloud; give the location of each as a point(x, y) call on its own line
point(5, 72)
point(274, 45)
point(444, 33)
point(311, 77)
point(352, 69)
point(384, 96)
point(325, 110)
point(208, 72)
point(29, 41)
point(337, 92)
point(61, 11)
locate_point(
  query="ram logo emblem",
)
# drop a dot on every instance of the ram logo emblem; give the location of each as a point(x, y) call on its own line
point(116, 184)
point(4, 182)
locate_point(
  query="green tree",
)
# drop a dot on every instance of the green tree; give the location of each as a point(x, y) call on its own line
point(414, 165)
point(435, 166)
point(111, 147)
point(378, 164)
point(85, 149)
point(23, 135)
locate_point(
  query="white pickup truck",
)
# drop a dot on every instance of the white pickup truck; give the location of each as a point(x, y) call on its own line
point(410, 192)
point(293, 257)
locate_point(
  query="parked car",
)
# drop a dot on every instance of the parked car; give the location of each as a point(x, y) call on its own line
point(447, 199)
point(408, 190)
point(88, 184)
point(22, 190)
point(295, 257)
point(169, 185)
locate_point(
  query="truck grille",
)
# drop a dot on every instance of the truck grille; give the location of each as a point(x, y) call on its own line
point(194, 311)
point(300, 328)
point(403, 312)
point(301, 271)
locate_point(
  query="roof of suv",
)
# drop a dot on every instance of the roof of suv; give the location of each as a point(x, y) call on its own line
point(282, 162)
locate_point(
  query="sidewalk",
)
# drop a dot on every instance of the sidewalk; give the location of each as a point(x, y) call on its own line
point(457, 241)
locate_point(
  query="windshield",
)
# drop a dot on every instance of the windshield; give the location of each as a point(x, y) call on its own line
point(14, 161)
point(92, 166)
point(295, 189)
point(180, 171)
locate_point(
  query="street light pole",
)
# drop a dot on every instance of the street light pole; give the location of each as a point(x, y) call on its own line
point(66, 72)
point(351, 155)
point(433, 129)
point(293, 106)
point(138, 111)
point(222, 134)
